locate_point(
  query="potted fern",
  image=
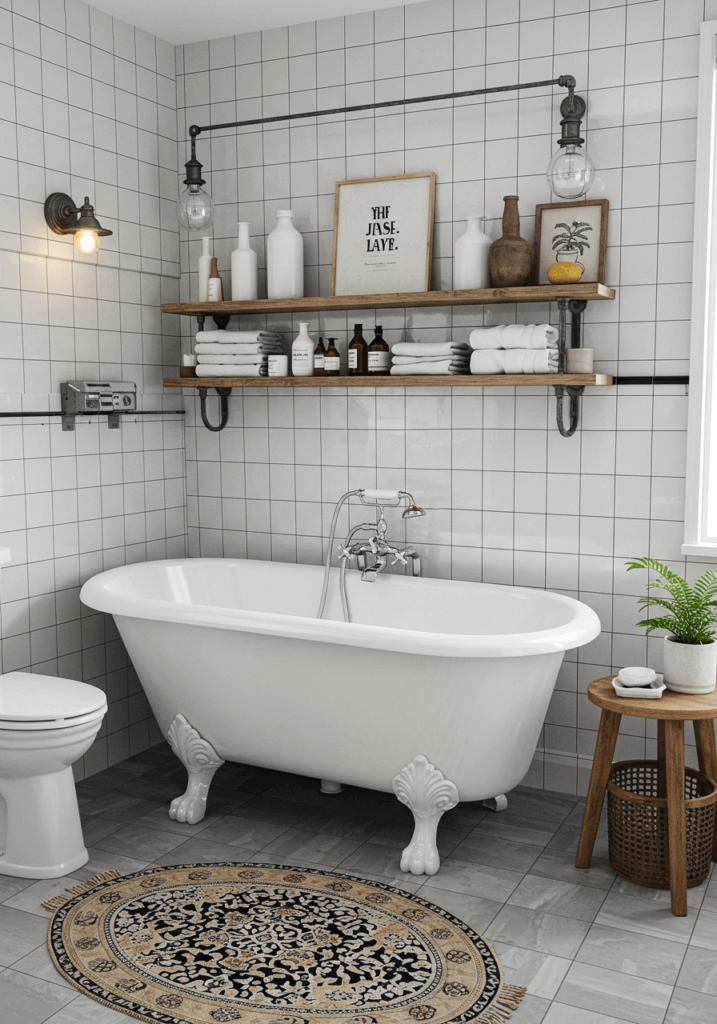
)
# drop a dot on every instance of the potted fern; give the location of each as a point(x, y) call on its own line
point(690, 651)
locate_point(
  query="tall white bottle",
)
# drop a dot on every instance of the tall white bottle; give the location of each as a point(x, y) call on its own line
point(302, 353)
point(205, 268)
point(471, 265)
point(244, 284)
point(284, 259)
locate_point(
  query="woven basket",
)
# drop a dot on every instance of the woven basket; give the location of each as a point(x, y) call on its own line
point(637, 824)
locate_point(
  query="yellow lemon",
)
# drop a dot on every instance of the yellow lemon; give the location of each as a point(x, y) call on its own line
point(564, 273)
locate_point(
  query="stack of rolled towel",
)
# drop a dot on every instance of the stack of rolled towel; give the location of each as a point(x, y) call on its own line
point(411, 357)
point(235, 353)
point(517, 348)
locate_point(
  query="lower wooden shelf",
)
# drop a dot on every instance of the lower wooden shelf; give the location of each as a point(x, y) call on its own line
point(501, 380)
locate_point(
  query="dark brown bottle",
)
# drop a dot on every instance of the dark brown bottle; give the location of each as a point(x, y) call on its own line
point(358, 353)
point(378, 355)
point(319, 359)
point(331, 360)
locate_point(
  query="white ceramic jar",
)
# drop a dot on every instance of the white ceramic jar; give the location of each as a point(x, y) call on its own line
point(284, 259)
point(244, 276)
point(471, 264)
point(690, 668)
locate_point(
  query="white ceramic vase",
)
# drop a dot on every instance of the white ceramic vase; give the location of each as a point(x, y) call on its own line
point(471, 264)
point(205, 266)
point(284, 259)
point(690, 668)
point(244, 277)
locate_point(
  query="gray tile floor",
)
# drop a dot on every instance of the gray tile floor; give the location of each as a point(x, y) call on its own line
point(591, 948)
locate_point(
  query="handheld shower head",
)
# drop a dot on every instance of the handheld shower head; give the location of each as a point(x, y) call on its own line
point(413, 511)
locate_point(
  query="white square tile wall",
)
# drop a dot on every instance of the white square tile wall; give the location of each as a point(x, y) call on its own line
point(88, 108)
point(510, 501)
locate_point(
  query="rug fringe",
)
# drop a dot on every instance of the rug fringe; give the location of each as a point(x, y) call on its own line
point(77, 890)
point(510, 997)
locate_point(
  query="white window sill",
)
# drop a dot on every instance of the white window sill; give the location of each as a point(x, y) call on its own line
point(700, 550)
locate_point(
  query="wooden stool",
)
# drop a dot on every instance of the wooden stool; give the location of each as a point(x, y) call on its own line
point(672, 710)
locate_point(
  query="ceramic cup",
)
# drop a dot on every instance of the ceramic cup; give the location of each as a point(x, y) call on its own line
point(579, 360)
point(278, 366)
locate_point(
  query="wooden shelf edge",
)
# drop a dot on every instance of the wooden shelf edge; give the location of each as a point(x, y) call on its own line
point(419, 380)
point(327, 303)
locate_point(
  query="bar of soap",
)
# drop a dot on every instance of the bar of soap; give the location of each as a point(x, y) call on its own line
point(636, 676)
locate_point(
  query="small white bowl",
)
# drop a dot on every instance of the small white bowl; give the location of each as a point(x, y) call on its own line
point(636, 675)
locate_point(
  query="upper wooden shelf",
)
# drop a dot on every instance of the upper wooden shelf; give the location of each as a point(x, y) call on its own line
point(499, 380)
point(396, 300)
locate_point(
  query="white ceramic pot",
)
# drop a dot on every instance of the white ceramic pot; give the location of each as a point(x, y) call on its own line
point(690, 668)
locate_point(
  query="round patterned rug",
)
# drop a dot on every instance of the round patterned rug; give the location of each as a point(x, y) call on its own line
point(265, 944)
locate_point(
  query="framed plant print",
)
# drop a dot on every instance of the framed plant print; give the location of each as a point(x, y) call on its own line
point(383, 235)
point(574, 232)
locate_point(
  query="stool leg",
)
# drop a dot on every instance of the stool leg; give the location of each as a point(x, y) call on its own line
point(707, 758)
point(677, 830)
point(602, 763)
point(661, 779)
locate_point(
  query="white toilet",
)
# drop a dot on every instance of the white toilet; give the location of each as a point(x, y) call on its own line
point(46, 724)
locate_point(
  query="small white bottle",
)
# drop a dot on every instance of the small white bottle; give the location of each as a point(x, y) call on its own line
point(284, 259)
point(471, 265)
point(205, 266)
point(302, 353)
point(244, 277)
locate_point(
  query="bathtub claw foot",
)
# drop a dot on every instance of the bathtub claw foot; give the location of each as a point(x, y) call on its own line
point(426, 791)
point(201, 761)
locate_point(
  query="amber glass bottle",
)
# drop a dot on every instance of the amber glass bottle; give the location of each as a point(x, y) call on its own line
point(378, 355)
point(331, 360)
point(358, 353)
point(319, 359)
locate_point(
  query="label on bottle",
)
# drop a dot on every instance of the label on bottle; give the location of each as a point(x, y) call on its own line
point(331, 363)
point(377, 361)
point(300, 360)
point(353, 358)
point(319, 361)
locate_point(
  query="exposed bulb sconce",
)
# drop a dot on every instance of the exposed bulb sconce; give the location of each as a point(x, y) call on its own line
point(195, 208)
point(571, 172)
point(62, 217)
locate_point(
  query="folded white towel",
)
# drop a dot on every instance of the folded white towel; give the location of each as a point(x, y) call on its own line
point(444, 366)
point(421, 348)
point(233, 359)
point(255, 370)
point(515, 336)
point(232, 337)
point(209, 348)
point(457, 357)
point(491, 360)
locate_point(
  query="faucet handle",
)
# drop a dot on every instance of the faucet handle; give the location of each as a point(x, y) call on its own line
point(344, 552)
point(400, 557)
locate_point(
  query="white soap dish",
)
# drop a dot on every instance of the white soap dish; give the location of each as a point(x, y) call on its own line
point(653, 690)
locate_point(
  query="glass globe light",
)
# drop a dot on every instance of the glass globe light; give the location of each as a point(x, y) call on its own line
point(195, 208)
point(571, 172)
point(86, 242)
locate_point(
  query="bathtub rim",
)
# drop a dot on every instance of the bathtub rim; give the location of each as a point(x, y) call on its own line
point(581, 629)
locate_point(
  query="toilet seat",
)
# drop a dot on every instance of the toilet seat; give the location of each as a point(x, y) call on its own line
point(29, 701)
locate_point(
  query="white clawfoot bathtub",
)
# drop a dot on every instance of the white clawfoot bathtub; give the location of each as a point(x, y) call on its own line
point(436, 690)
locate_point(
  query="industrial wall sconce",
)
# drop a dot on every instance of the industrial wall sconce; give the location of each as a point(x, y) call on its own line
point(62, 217)
point(570, 173)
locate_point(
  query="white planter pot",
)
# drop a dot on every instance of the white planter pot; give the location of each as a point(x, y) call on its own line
point(690, 668)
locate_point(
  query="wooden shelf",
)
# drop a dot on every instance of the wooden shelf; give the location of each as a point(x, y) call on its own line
point(501, 380)
point(398, 300)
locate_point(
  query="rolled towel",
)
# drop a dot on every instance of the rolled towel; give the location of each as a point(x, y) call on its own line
point(444, 366)
point(233, 359)
point(527, 336)
point(421, 348)
point(216, 370)
point(208, 348)
point(492, 360)
point(232, 337)
point(457, 357)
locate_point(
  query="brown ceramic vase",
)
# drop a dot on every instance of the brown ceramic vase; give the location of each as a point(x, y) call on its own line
point(511, 257)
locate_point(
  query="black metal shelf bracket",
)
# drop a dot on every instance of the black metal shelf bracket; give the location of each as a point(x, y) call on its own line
point(576, 308)
point(224, 398)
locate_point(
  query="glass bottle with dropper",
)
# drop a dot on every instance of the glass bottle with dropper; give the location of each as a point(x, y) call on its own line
point(319, 359)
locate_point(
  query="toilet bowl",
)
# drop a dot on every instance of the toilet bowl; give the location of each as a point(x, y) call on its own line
point(46, 724)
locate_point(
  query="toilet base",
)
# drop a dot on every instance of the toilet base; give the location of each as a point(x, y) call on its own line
point(40, 829)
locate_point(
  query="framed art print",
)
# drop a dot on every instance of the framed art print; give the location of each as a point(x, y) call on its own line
point(383, 235)
point(574, 232)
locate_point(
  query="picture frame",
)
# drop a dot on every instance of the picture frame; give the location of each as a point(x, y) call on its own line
point(383, 234)
point(574, 231)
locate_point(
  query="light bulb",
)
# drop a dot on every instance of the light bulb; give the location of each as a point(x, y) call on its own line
point(195, 208)
point(87, 242)
point(571, 172)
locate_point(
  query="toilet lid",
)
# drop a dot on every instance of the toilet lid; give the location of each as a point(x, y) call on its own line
point(27, 697)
